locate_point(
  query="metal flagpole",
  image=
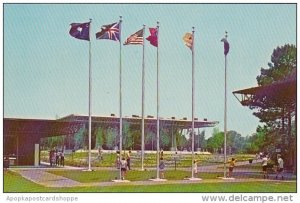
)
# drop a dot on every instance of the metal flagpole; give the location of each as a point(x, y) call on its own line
point(225, 113)
point(157, 122)
point(143, 100)
point(121, 124)
point(193, 100)
point(90, 99)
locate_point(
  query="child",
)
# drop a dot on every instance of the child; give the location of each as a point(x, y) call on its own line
point(123, 167)
point(100, 157)
point(196, 166)
point(231, 166)
point(265, 166)
point(161, 168)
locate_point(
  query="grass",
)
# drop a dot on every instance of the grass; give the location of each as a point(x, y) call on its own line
point(15, 183)
point(108, 175)
point(80, 159)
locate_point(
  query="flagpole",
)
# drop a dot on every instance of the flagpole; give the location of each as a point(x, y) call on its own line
point(157, 121)
point(225, 113)
point(90, 99)
point(121, 124)
point(193, 100)
point(143, 99)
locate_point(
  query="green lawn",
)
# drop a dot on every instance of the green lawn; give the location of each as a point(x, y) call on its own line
point(15, 183)
point(80, 159)
point(108, 175)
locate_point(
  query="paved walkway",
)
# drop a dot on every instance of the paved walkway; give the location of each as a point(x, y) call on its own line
point(46, 179)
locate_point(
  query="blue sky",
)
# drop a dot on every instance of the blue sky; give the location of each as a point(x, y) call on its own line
point(46, 70)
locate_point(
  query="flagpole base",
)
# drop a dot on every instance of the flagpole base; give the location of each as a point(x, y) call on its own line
point(227, 178)
point(121, 181)
point(193, 179)
point(158, 180)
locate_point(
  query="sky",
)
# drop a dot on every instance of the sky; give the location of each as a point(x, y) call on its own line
point(46, 70)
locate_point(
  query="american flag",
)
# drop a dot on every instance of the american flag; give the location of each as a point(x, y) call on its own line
point(136, 38)
point(111, 32)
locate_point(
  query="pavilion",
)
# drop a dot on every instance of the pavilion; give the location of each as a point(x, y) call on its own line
point(22, 136)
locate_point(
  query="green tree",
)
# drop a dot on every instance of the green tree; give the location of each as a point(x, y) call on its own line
point(282, 67)
point(99, 137)
point(111, 138)
point(283, 63)
point(278, 112)
point(79, 138)
point(216, 141)
point(165, 140)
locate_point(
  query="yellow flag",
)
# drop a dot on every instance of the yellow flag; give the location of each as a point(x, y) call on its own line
point(188, 40)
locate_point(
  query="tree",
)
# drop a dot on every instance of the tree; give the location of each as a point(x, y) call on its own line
point(79, 138)
point(111, 138)
point(165, 140)
point(201, 141)
point(282, 67)
point(216, 141)
point(99, 137)
point(181, 140)
point(283, 63)
point(278, 112)
point(235, 141)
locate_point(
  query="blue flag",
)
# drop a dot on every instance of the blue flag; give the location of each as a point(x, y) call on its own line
point(80, 31)
point(226, 46)
point(111, 32)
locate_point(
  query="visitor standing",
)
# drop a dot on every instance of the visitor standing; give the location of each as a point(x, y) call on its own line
point(128, 156)
point(264, 164)
point(162, 168)
point(279, 167)
point(123, 167)
point(196, 166)
point(231, 167)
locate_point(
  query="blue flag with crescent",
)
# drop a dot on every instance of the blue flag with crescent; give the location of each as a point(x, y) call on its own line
point(226, 46)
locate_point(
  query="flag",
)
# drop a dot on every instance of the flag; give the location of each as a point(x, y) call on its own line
point(188, 40)
point(136, 38)
point(153, 37)
point(80, 31)
point(226, 46)
point(111, 32)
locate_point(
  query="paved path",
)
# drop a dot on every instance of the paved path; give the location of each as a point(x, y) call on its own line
point(46, 179)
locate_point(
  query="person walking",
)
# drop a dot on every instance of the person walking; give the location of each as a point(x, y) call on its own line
point(128, 155)
point(118, 160)
point(62, 158)
point(100, 156)
point(279, 167)
point(264, 164)
point(56, 153)
point(196, 166)
point(231, 167)
point(162, 168)
point(50, 157)
point(123, 167)
point(161, 154)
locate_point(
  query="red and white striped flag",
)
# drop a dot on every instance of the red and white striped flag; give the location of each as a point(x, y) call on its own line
point(136, 38)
